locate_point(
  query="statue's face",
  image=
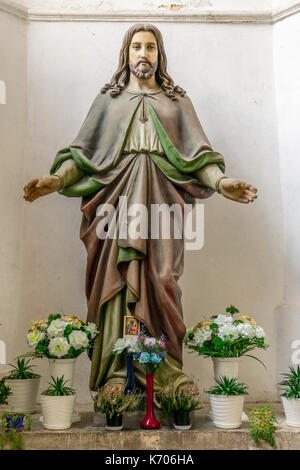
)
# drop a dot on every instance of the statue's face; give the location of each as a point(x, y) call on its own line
point(143, 54)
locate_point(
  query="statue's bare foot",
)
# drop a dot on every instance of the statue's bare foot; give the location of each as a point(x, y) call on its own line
point(190, 388)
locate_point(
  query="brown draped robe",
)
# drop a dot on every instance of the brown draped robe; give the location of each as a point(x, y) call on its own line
point(127, 274)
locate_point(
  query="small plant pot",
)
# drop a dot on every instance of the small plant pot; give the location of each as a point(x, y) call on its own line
point(227, 410)
point(15, 422)
point(227, 366)
point(24, 395)
point(57, 411)
point(292, 411)
point(114, 423)
point(182, 420)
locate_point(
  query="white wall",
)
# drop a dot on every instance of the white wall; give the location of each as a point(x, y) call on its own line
point(13, 155)
point(228, 72)
point(287, 74)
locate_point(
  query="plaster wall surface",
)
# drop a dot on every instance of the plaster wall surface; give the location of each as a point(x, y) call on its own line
point(13, 122)
point(287, 85)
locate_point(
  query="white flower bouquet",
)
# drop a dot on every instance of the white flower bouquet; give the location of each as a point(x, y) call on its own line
point(130, 345)
point(223, 336)
point(61, 337)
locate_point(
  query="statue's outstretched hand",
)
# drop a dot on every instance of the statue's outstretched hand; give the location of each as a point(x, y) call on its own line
point(237, 190)
point(41, 187)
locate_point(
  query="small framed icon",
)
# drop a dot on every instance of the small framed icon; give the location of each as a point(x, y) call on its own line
point(131, 326)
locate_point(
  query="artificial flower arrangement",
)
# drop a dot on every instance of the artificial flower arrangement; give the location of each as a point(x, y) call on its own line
point(61, 337)
point(223, 336)
point(151, 353)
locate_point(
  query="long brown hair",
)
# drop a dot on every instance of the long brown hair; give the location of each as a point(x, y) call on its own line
point(121, 76)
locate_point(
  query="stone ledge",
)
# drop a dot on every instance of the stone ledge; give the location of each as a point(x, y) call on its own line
point(202, 436)
point(214, 11)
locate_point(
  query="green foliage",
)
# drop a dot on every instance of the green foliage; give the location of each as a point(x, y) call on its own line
point(116, 403)
point(232, 310)
point(22, 370)
point(10, 434)
point(291, 383)
point(5, 391)
point(177, 400)
point(57, 387)
point(215, 345)
point(262, 424)
point(228, 387)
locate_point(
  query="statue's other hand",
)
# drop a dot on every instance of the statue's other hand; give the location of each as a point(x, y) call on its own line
point(237, 190)
point(41, 187)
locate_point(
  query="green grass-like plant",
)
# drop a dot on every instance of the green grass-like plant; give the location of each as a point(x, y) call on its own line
point(262, 424)
point(116, 403)
point(5, 392)
point(57, 388)
point(177, 400)
point(228, 387)
point(291, 383)
point(22, 370)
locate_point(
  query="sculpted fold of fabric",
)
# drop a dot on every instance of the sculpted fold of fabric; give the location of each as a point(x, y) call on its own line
point(125, 273)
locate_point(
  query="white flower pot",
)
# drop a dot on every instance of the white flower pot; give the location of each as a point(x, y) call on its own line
point(24, 395)
point(62, 367)
point(292, 411)
point(227, 411)
point(228, 366)
point(57, 411)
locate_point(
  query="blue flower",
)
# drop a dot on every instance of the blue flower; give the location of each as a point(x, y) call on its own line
point(144, 357)
point(155, 359)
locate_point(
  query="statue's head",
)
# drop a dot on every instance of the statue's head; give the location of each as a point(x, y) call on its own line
point(143, 54)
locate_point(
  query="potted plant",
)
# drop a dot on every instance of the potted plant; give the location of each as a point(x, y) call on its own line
point(227, 401)
point(57, 404)
point(5, 392)
point(114, 404)
point(24, 385)
point(291, 396)
point(61, 338)
point(225, 340)
point(262, 424)
point(179, 403)
point(152, 353)
point(12, 427)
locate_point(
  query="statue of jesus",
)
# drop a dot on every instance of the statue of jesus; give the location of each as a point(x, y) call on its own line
point(141, 141)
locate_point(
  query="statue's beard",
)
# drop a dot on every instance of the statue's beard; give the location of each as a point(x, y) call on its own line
point(145, 74)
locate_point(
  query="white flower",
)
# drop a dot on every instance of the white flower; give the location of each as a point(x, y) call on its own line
point(34, 337)
point(260, 332)
point(228, 332)
point(78, 339)
point(150, 341)
point(91, 327)
point(222, 320)
point(202, 335)
point(246, 330)
point(132, 345)
point(57, 327)
point(119, 346)
point(59, 346)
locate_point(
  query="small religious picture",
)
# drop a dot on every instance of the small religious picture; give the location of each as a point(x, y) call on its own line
point(131, 326)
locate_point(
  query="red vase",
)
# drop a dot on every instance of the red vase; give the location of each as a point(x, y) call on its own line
point(150, 422)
